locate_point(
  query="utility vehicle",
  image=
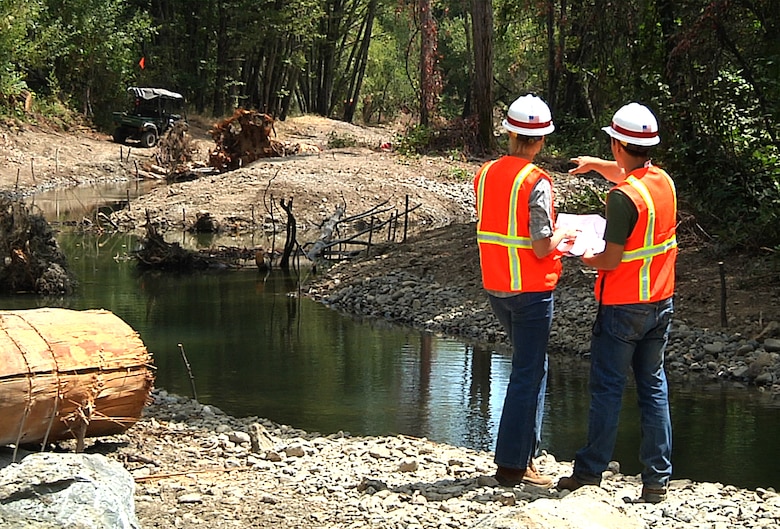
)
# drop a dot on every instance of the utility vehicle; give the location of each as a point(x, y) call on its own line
point(152, 112)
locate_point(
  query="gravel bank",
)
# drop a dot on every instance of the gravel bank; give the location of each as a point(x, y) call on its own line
point(196, 468)
point(419, 286)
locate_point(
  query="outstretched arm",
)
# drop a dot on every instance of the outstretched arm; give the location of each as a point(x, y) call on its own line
point(607, 168)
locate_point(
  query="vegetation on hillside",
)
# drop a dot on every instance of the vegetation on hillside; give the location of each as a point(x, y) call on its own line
point(710, 69)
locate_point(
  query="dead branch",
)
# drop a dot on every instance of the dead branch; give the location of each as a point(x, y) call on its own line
point(326, 234)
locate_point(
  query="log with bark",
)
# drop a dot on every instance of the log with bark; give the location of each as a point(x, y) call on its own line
point(68, 374)
point(243, 138)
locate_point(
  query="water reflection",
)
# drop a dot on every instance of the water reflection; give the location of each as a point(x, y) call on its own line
point(256, 349)
point(84, 202)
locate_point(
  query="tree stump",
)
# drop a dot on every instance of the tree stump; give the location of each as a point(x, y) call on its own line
point(241, 139)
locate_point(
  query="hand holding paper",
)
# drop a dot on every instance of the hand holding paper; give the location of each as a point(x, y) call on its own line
point(590, 234)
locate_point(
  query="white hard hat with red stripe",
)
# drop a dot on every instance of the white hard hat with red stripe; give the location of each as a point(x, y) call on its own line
point(634, 124)
point(530, 116)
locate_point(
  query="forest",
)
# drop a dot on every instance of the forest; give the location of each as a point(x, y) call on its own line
point(710, 70)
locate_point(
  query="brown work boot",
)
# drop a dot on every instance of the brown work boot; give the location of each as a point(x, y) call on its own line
point(533, 477)
point(511, 477)
point(569, 483)
point(653, 494)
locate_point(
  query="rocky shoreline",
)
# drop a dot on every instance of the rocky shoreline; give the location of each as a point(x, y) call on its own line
point(399, 293)
point(197, 467)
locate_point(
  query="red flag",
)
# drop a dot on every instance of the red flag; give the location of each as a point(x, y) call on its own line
point(142, 62)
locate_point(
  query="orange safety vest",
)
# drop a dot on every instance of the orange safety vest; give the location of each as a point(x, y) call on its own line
point(646, 271)
point(507, 259)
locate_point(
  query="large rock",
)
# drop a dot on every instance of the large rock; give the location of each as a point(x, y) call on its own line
point(67, 491)
point(585, 508)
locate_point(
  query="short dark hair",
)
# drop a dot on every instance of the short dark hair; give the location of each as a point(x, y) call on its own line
point(638, 150)
point(528, 139)
point(635, 150)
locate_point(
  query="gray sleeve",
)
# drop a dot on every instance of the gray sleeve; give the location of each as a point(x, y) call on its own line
point(539, 206)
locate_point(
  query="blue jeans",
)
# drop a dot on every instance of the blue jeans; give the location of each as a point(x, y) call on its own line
point(527, 318)
point(626, 336)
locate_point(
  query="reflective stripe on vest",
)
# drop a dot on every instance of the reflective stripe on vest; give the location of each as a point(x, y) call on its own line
point(649, 250)
point(510, 240)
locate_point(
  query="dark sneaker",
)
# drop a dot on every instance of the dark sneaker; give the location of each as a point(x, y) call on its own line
point(511, 477)
point(653, 494)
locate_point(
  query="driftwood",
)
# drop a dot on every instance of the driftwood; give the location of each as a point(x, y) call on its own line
point(157, 254)
point(292, 228)
point(322, 246)
point(68, 374)
point(243, 138)
point(326, 234)
point(175, 152)
point(30, 258)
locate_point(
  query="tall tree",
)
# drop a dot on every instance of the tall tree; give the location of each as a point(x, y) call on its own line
point(90, 47)
point(482, 28)
point(430, 80)
point(362, 44)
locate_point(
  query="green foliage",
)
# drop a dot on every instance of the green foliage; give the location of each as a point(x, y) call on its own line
point(337, 141)
point(575, 136)
point(461, 174)
point(584, 201)
point(415, 141)
point(725, 157)
point(79, 52)
point(15, 50)
point(520, 51)
point(389, 83)
point(454, 59)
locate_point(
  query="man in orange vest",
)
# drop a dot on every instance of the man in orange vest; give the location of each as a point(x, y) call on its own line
point(634, 290)
point(520, 269)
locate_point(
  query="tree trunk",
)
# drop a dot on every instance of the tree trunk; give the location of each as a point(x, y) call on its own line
point(356, 80)
point(482, 26)
point(555, 50)
point(222, 62)
point(327, 59)
point(68, 374)
point(427, 62)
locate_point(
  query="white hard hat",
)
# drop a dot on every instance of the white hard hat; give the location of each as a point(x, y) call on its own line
point(529, 116)
point(634, 124)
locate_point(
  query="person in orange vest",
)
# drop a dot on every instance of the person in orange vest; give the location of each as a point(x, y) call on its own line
point(634, 289)
point(520, 266)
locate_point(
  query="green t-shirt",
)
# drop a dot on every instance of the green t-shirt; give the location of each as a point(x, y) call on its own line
point(621, 217)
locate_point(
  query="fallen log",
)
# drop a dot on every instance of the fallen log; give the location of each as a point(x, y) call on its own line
point(68, 374)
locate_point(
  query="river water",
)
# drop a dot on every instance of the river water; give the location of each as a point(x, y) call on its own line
point(254, 348)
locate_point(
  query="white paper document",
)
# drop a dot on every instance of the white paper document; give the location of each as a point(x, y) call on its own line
point(590, 232)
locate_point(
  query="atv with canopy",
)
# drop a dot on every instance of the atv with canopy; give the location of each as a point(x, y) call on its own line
point(152, 112)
